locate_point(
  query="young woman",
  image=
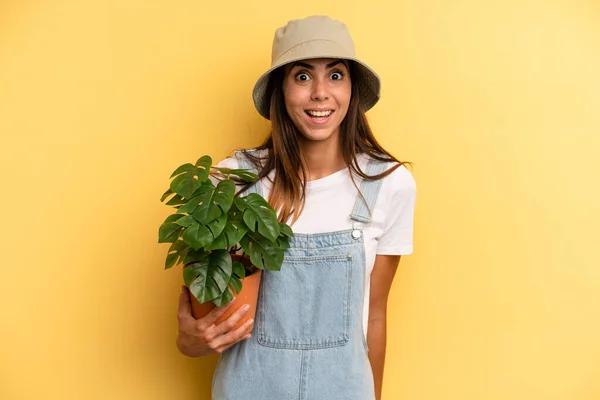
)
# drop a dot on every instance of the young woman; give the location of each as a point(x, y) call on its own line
point(320, 328)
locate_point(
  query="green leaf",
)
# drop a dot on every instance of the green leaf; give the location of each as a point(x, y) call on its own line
point(223, 170)
point(183, 168)
point(217, 226)
point(188, 178)
point(219, 243)
point(176, 200)
point(223, 196)
point(194, 255)
point(235, 212)
point(220, 262)
point(203, 167)
point(236, 284)
point(178, 250)
point(225, 298)
point(283, 242)
point(238, 269)
point(244, 174)
point(259, 216)
point(214, 202)
point(240, 203)
point(190, 205)
point(286, 230)
point(185, 184)
point(172, 218)
point(168, 233)
point(202, 213)
point(194, 271)
point(165, 195)
point(178, 246)
point(231, 235)
point(210, 277)
point(171, 260)
point(185, 221)
point(201, 196)
point(263, 253)
point(250, 220)
point(197, 235)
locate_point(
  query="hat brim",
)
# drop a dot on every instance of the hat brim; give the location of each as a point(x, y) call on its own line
point(369, 82)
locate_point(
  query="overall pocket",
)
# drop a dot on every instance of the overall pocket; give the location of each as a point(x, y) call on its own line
point(306, 305)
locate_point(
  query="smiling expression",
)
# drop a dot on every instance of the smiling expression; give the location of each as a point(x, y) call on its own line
point(317, 95)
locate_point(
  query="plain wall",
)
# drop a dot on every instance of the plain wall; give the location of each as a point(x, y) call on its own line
point(495, 102)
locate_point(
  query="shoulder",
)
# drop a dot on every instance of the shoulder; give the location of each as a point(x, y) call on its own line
point(233, 161)
point(398, 188)
point(229, 162)
point(399, 180)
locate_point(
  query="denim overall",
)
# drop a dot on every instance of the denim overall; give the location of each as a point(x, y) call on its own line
point(308, 341)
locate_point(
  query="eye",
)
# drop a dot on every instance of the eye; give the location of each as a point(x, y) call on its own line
point(302, 76)
point(336, 76)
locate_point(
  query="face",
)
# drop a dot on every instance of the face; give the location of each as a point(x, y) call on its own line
point(317, 95)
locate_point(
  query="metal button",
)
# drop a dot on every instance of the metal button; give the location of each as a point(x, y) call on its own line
point(356, 234)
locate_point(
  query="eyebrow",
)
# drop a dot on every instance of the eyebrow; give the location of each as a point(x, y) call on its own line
point(310, 67)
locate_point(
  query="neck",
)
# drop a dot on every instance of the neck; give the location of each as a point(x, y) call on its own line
point(322, 158)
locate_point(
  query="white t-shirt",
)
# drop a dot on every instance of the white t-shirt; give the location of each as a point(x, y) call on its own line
point(329, 203)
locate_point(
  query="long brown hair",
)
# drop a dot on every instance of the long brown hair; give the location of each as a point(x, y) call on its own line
point(283, 149)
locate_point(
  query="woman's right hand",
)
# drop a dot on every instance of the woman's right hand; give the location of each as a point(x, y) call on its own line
point(200, 337)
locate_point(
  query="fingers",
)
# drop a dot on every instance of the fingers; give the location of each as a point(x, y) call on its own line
point(232, 321)
point(223, 348)
point(184, 310)
point(214, 315)
point(202, 336)
point(227, 340)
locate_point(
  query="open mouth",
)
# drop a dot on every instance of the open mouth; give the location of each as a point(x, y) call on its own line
point(319, 116)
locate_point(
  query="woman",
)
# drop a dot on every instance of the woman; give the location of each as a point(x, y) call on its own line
point(321, 320)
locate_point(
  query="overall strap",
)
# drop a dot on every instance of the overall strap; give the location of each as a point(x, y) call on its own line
point(370, 191)
point(245, 163)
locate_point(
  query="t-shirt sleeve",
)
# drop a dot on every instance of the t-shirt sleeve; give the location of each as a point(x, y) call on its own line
point(397, 236)
point(229, 162)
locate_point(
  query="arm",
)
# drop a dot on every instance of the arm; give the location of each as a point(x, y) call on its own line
point(381, 280)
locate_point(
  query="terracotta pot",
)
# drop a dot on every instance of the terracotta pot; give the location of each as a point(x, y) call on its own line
point(248, 295)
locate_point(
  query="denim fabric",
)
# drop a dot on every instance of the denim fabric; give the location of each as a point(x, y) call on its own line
point(308, 341)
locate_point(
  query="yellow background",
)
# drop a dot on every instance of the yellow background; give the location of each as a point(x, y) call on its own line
point(497, 104)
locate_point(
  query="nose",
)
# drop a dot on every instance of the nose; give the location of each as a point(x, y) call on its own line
point(319, 90)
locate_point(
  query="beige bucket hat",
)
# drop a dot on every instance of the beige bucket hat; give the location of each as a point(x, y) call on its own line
point(315, 37)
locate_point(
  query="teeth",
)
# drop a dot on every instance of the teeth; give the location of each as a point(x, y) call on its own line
point(319, 113)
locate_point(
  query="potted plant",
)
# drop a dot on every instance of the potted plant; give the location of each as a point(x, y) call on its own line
point(210, 229)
